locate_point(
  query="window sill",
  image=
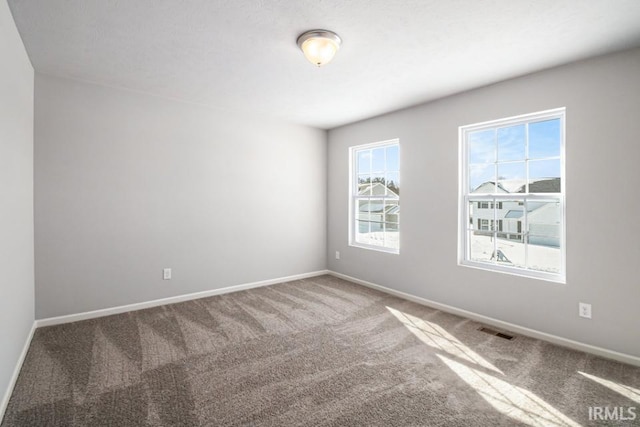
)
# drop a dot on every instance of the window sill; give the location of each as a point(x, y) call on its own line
point(515, 271)
point(375, 248)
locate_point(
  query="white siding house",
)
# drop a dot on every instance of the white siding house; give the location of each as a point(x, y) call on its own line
point(507, 217)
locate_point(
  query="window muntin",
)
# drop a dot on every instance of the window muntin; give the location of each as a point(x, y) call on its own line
point(512, 195)
point(375, 196)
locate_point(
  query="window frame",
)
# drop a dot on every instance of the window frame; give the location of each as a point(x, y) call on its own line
point(354, 197)
point(465, 197)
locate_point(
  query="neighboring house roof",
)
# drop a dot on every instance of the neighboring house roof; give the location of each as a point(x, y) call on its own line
point(393, 209)
point(377, 189)
point(545, 185)
point(489, 187)
point(542, 185)
point(506, 186)
point(513, 185)
point(514, 214)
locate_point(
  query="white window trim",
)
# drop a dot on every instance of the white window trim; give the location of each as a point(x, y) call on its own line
point(353, 190)
point(463, 196)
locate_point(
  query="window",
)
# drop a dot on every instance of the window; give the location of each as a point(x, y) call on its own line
point(512, 198)
point(375, 196)
point(483, 224)
point(489, 205)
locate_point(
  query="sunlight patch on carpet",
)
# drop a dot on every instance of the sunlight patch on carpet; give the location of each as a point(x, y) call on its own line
point(513, 401)
point(625, 390)
point(437, 337)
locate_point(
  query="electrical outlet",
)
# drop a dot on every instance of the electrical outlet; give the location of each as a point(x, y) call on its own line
point(584, 310)
point(166, 274)
point(337, 254)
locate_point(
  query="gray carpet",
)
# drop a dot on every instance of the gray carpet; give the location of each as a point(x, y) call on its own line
point(320, 351)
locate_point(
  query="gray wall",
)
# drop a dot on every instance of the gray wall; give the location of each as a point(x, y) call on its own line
point(16, 195)
point(602, 97)
point(127, 184)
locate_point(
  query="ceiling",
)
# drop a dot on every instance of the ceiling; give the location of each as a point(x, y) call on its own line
point(241, 55)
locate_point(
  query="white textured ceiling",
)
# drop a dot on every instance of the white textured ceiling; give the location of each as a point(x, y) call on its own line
point(241, 55)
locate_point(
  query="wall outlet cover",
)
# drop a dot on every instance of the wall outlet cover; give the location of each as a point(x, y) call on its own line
point(584, 310)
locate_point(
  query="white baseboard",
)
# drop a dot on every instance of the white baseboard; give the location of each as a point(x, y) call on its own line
point(16, 372)
point(171, 300)
point(587, 348)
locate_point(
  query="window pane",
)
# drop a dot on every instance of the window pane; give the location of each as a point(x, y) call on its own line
point(471, 223)
point(376, 235)
point(377, 160)
point(544, 176)
point(510, 216)
point(544, 139)
point(481, 215)
point(511, 143)
point(482, 146)
point(392, 211)
point(543, 258)
point(510, 250)
point(364, 185)
point(376, 210)
point(363, 210)
point(393, 184)
point(362, 232)
point(512, 177)
point(378, 187)
point(510, 247)
point(393, 159)
point(480, 246)
point(392, 236)
point(364, 161)
point(544, 220)
point(482, 178)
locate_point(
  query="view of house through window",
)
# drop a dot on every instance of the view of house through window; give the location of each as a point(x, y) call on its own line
point(375, 196)
point(512, 200)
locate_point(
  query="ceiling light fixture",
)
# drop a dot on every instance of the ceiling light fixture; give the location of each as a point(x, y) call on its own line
point(319, 46)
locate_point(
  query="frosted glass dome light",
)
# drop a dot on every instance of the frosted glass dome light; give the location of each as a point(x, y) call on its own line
point(319, 46)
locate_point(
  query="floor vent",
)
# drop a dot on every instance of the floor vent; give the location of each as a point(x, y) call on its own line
point(496, 333)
